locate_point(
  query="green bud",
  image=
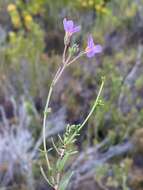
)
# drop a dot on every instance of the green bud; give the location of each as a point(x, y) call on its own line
point(74, 49)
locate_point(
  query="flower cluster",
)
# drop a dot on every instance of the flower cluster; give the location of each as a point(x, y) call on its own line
point(70, 29)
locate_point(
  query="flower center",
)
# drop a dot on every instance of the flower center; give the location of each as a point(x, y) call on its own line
point(69, 34)
point(88, 49)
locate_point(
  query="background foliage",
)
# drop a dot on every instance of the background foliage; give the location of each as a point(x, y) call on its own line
point(31, 44)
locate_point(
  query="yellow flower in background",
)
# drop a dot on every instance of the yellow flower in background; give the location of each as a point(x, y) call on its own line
point(14, 14)
point(11, 8)
point(84, 4)
point(91, 2)
point(101, 9)
point(28, 18)
point(104, 10)
point(16, 22)
point(98, 8)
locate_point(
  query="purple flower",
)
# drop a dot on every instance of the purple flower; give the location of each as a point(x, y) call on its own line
point(69, 27)
point(91, 48)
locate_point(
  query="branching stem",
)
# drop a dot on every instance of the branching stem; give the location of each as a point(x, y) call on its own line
point(65, 63)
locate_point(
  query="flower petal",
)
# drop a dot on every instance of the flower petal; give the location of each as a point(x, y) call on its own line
point(65, 23)
point(90, 42)
point(95, 50)
point(76, 29)
point(68, 25)
point(90, 54)
point(98, 49)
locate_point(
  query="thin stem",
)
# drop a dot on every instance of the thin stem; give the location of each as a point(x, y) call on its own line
point(68, 59)
point(59, 69)
point(55, 146)
point(65, 63)
point(64, 53)
point(45, 177)
point(59, 75)
point(90, 113)
point(77, 57)
point(93, 108)
point(44, 125)
point(56, 78)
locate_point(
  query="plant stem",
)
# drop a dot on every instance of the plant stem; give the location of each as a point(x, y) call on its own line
point(44, 125)
point(75, 58)
point(93, 108)
point(90, 113)
point(58, 74)
point(64, 53)
point(56, 78)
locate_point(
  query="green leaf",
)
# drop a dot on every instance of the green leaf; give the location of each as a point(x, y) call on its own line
point(45, 177)
point(61, 162)
point(65, 181)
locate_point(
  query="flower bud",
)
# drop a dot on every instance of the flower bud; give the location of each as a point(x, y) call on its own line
point(74, 49)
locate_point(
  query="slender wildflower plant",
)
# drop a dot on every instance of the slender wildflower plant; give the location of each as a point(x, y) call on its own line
point(56, 177)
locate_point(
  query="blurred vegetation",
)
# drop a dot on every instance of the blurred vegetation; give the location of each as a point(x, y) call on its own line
point(31, 42)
